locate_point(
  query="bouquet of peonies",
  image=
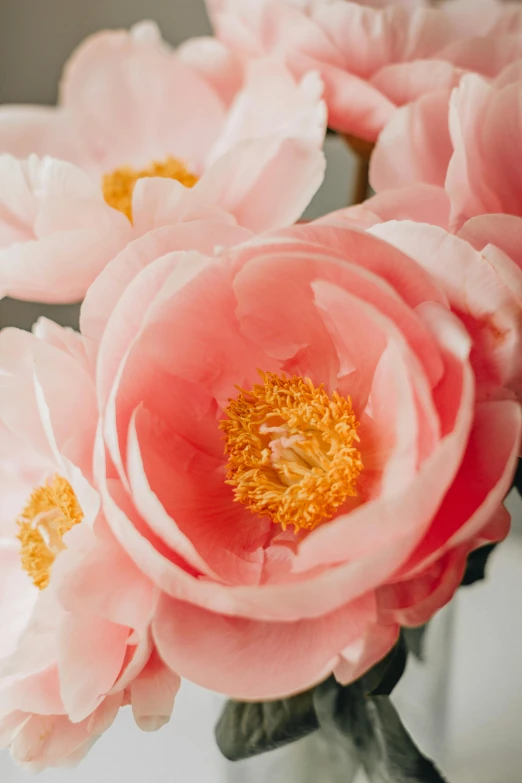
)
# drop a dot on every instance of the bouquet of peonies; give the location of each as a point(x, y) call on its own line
point(272, 447)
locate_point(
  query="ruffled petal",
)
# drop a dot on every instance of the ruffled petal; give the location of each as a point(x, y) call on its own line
point(415, 146)
point(273, 103)
point(153, 693)
point(265, 183)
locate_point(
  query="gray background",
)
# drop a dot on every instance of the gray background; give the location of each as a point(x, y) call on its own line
point(37, 36)
point(483, 679)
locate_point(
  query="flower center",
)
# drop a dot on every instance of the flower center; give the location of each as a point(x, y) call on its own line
point(291, 450)
point(118, 186)
point(51, 511)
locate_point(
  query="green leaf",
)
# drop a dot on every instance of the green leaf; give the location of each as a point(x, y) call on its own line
point(476, 566)
point(248, 729)
point(414, 639)
point(391, 756)
point(373, 729)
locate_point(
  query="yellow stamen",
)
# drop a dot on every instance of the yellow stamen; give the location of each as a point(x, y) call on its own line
point(52, 510)
point(291, 450)
point(118, 186)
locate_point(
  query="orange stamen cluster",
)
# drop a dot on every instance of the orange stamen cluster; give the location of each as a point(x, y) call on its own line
point(291, 450)
point(118, 186)
point(51, 511)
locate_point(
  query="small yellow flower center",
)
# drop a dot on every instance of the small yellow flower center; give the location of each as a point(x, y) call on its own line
point(51, 511)
point(291, 450)
point(118, 186)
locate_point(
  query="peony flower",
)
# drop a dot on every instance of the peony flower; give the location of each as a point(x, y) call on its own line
point(450, 159)
point(302, 440)
point(223, 138)
point(372, 56)
point(75, 612)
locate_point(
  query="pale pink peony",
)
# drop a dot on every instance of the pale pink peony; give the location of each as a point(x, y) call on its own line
point(227, 138)
point(316, 568)
point(450, 158)
point(373, 57)
point(75, 612)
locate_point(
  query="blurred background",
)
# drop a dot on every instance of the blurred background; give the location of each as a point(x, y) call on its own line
point(479, 672)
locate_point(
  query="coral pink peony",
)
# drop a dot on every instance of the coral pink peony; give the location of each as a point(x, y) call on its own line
point(222, 138)
point(302, 440)
point(372, 56)
point(75, 612)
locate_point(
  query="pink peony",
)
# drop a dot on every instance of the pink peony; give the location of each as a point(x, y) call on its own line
point(75, 612)
point(227, 139)
point(302, 440)
point(450, 158)
point(373, 56)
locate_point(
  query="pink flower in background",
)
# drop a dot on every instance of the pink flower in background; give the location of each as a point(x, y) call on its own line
point(220, 138)
point(356, 49)
point(373, 57)
point(294, 439)
point(450, 158)
point(75, 613)
point(459, 139)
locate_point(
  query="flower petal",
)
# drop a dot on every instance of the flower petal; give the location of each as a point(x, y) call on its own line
point(287, 657)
